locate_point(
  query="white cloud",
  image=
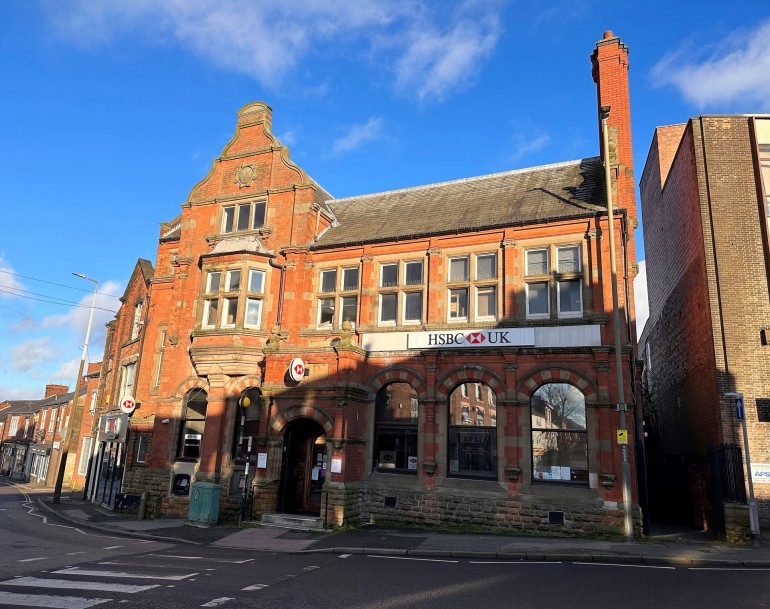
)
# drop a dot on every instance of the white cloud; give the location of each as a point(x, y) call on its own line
point(431, 49)
point(33, 353)
point(437, 60)
point(526, 139)
point(358, 135)
point(737, 70)
point(640, 298)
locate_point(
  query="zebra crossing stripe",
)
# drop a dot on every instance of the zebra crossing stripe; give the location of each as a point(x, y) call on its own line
point(49, 602)
point(123, 574)
point(76, 585)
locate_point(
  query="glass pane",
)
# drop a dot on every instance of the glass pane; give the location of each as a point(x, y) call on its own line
point(487, 302)
point(413, 306)
point(458, 304)
point(486, 266)
point(569, 297)
point(350, 278)
point(413, 271)
point(389, 276)
point(569, 259)
point(233, 281)
point(259, 214)
point(228, 218)
point(256, 281)
point(325, 311)
point(230, 312)
point(210, 313)
point(388, 304)
point(394, 404)
point(472, 451)
point(558, 406)
point(537, 299)
point(328, 281)
point(458, 269)
point(243, 216)
point(560, 455)
point(349, 308)
point(537, 262)
point(214, 282)
point(395, 449)
point(253, 312)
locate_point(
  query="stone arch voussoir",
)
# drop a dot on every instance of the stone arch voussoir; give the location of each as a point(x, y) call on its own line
point(282, 419)
point(530, 383)
point(470, 374)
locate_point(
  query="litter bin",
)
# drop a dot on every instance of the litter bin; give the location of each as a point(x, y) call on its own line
point(204, 503)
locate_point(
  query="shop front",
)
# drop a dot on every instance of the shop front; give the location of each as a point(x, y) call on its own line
point(108, 461)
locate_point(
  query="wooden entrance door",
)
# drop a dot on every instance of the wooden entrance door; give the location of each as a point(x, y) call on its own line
point(304, 467)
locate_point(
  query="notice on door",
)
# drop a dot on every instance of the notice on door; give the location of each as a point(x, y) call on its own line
point(336, 465)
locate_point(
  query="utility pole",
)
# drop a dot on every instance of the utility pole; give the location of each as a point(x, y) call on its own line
point(625, 470)
point(70, 443)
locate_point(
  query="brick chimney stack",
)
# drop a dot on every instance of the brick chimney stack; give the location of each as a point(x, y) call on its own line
point(51, 389)
point(610, 73)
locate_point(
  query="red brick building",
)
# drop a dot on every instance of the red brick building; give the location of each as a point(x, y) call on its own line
point(705, 198)
point(438, 354)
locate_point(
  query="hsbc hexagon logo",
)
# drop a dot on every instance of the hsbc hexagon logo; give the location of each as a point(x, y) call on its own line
point(475, 338)
point(297, 369)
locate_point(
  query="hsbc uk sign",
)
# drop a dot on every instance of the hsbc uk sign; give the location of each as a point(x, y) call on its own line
point(474, 339)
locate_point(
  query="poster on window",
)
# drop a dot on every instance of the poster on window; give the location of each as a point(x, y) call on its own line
point(411, 463)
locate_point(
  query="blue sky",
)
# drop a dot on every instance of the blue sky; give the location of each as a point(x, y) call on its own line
point(113, 110)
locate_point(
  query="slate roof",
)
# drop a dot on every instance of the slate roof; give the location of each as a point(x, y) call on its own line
point(522, 196)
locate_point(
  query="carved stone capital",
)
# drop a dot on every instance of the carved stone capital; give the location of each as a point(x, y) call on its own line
point(429, 467)
point(608, 480)
point(434, 251)
point(513, 473)
point(508, 243)
point(367, 258)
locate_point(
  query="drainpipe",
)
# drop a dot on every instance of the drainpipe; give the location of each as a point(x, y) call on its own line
point(282, 268)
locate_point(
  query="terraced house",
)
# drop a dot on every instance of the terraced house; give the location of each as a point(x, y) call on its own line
point(437, 354)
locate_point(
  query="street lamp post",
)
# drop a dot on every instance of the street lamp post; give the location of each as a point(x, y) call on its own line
point(76, 415)
point(740, 414)
point(625, 469)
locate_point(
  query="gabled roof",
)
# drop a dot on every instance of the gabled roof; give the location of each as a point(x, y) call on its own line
point(522, 196)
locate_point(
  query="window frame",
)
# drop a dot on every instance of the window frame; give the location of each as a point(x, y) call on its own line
point(473, 285)
point(405, 430)
point(186, 419)
point(467, 432)
point(340, 296)
point(232, 214)
point(400, 289)
point(549, 428)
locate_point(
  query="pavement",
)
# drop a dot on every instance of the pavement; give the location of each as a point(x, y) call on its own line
point(664, 546)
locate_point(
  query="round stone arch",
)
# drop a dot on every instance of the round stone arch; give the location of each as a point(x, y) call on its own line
point(237, 385)
point(541, 376)
point(192, 382)
point(470, 374)
point(279, 421)
point(398, 374)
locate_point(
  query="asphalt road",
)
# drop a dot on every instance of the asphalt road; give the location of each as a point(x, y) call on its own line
point(44, 563)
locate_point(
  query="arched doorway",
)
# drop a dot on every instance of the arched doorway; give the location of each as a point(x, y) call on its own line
point(303, 469)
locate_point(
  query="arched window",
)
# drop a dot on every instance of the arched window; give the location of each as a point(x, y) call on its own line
point(559, 439)
point(192, 424)
point(396, 413)
point(246, 423)
point(472, 431)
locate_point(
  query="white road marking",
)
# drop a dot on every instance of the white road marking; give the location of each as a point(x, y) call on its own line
point(78, 571)
point(236, 562)
point(345, 555)
point(112, 547)
point(411, 558)
point(32, 559)
point(53, 602)
point(609, 564)
point(218, 601)
point(255, 587)
point(175, 556)
point(73, 553)
point(729, 569)
point(39, 582)
point(514, 562)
